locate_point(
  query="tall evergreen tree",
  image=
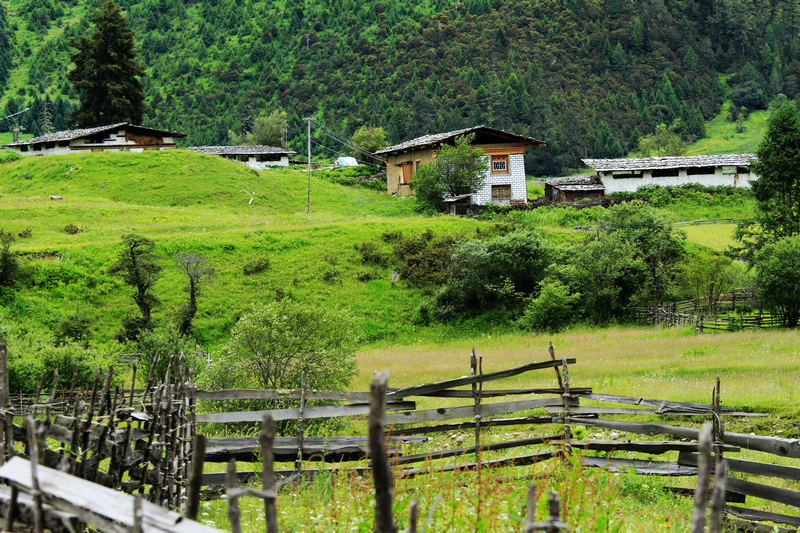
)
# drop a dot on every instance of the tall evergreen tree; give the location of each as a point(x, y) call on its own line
point(106, 72)
point(5, 48)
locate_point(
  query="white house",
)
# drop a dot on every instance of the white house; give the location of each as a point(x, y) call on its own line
point(505, 180)
point(114, 137)
point(257, 157)
point(627, 175)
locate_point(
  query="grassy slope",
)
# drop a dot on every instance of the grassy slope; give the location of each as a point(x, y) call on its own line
point(722, 137)
point(190, 202)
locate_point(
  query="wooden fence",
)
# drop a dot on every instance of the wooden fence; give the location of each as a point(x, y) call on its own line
point(157, 451)
point(736, 310)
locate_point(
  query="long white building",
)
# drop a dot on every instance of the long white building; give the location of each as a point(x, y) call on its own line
point(113, 137)
point(257, 157)
point(628, 175)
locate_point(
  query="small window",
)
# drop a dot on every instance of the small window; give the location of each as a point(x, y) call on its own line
point(499, 164)
point(501, 193)
point(698, 171)
point(417, 163)
point(665, 172)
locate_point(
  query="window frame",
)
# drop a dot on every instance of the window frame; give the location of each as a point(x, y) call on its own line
point(497, 158)
point(498, 198)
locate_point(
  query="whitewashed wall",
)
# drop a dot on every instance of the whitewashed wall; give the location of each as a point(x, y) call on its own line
point(261, 165)
point(515, 177)
point(714, 179)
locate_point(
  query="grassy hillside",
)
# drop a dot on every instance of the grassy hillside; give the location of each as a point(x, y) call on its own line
point(187, 203)
point(722, 137)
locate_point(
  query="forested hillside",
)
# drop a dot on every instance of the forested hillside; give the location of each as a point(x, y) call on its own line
point(588, 77)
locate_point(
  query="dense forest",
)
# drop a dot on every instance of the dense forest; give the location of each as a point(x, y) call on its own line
point(589, 77)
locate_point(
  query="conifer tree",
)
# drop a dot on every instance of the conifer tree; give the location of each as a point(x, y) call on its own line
point(106, 72)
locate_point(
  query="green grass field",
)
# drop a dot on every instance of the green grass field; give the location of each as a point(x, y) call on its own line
point(757, 372)
point(722, 137)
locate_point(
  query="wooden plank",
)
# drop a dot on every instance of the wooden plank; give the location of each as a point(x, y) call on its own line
point(328, 454)
point(639, 466)
point(503, 392)
point(661, 405)
point(108, 504)
point(749, 467)
point(280, 394)
point(441, 454)
point(449, 413)
point(520, 460)
point(773, 445)
point(651, 447)
point(235, 442)
point(633, 411)
point(494, 422)
point(763, 516)
point(766, 492)
point(687, 491)
point(749, 526)
point(327, 411)
point(419, 390)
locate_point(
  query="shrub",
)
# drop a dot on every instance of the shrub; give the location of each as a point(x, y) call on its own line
point(157, 347)
point(497, 272)
point(422, 261)
point(370, 253)
point(255, 266)
point(778, 278)
point(273, 344)
point(552, 310)
point(73, 327)
point(9, 262)
point(25, 234)
point(7, 156)
point(391, 236)
point(72, 229)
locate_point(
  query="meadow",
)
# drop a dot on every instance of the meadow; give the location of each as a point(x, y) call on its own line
point(758, 371)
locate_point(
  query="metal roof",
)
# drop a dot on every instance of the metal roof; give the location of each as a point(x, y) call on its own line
point(439, 138)
point(242, 150)
point(651, 163)
point(69, 135)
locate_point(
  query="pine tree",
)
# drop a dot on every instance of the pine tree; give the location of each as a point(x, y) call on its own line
point(5, 48)
point(106, 72)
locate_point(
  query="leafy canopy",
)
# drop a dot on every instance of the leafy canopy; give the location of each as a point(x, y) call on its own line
point(272, 345)
point(458, 169)
point(778, 278)
point(105, 72)
point(267, 130)
point(370, 139)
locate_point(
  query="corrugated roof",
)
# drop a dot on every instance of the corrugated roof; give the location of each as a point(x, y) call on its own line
point(438, 138)
point(242, 150)
point(650, 163)
point(583, 179)
point(69, 135)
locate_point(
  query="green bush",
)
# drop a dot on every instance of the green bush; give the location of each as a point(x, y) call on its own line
point(552, 310)
point(494, 273)
point(255, 266)
point(72, 229)
point(371, 254)
point(423, 261)
point(778, 278)
point(9, 262)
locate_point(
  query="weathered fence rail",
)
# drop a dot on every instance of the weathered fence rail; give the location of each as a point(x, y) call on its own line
point(145, 439)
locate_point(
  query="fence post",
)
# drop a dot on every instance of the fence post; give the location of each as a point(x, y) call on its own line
point(703, 473)
point(553, 357)
point(195, 475)
point(298, 464)
point(233, 499)
point(5, 405)
point(266, 439)
point(718, 497)
point(412, 517)
point(33, 458)
point(565, 396)
point(531, 508)
point(553, 521)
point(381, 472)
point(137, 514)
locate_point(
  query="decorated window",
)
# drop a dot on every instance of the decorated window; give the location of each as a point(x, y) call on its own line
point(499, 164)
point(501, 193)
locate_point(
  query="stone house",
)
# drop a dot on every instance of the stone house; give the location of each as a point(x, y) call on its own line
point(122, 136)
point(256, 157)
point(628, 175)
point(505, 181)
point(573, 189)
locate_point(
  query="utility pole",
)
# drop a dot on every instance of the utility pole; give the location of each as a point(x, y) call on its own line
point(308, 190)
